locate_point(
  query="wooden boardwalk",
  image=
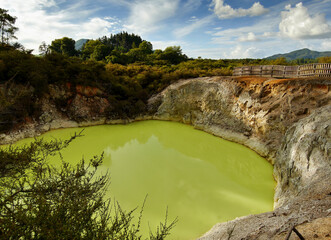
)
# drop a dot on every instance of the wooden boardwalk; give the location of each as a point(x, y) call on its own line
point(279, 71)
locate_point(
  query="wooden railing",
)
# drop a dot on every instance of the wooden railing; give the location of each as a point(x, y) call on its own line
point(279, 71)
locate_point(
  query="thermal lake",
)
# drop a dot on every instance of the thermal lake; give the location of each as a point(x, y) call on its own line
point(200, 178)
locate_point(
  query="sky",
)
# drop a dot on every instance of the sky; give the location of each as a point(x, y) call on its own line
point(216, 29)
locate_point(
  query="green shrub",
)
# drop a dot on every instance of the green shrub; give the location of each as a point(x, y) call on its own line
point(39, 201)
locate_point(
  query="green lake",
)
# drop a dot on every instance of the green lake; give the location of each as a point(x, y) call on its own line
point(201, 178)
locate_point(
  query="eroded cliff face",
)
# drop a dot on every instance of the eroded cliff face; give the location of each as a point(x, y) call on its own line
point(303, 164)
point(286, 121)
point(64, 106)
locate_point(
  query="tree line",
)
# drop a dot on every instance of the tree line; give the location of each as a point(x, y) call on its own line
point(122, 48)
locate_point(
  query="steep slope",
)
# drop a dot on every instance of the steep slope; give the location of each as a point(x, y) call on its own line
point(288, 122)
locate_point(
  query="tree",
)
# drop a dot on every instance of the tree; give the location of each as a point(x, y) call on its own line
point(39, 201)
point(44, 49)
point(173, 54)
point(96, 50)
point(146, 47)
point(20, 47)
point(64, 46)
point(279, 61)
point(7, 28)
point(136, 54)
point(117, 56)
point(122, 41)
point(100, 52)
point(324, 59)
point(140, 54)
point(157, 54)
point(88, 48)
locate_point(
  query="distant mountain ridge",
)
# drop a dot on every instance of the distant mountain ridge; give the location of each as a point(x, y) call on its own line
point(80, 43)
point(304, 53)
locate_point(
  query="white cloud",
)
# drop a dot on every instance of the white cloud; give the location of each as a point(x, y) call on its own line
point(269, 34)
point(250, 37)
point(191, 5)
point(36, 24)
point(197, 23)
point(147, 15)
point(213, 53)
point(125, 3)
point(326, 46)
point(164, 44)
point(245, 52)
point(47, 3)
point(237, 52)
point(96, 27)
point(193, 19)
point(252, 33)
point(298, 24)
point(224, 11)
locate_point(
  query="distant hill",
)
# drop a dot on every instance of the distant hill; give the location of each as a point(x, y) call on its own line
point(302, 53)
point(79, 43)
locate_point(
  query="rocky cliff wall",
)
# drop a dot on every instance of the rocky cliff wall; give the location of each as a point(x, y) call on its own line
point(286, 121)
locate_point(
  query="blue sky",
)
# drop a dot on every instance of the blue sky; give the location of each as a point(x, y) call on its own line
point(207, 28)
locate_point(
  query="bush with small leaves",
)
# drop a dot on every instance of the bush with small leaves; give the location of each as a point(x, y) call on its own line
point(40, 201)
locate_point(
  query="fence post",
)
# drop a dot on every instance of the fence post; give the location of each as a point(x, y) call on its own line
point(260, 71)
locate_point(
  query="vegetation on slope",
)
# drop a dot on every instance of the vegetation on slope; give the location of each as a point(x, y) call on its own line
point(128, 84)
point(125, 85)
point(303, 54)
point(123, 66)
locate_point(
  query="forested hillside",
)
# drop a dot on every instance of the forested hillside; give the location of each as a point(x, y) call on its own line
point(304, 53)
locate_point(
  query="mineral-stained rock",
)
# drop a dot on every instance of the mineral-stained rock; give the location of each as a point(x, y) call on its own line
point(303, 163)
point(287, 121)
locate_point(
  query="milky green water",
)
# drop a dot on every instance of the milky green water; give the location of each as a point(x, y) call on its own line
point(201, 178)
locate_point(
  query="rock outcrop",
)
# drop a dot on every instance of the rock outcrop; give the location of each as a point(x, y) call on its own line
point(63, 107)
point(286, 121)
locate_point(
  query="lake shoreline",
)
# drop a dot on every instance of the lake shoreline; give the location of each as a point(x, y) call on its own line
point(274, 118)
